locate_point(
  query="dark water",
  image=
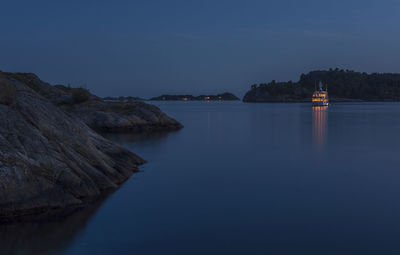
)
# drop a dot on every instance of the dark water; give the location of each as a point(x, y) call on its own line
point(246, 179)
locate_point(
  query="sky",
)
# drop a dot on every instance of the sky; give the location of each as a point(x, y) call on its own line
point(153, 47)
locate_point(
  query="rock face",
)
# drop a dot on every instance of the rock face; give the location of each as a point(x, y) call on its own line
point(50, 159)
point(101, 115)
point(123, 116)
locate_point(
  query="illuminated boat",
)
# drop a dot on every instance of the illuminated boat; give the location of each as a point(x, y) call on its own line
point(320, 97)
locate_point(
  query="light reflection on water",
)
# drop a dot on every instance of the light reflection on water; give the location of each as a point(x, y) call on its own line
point(319, 119)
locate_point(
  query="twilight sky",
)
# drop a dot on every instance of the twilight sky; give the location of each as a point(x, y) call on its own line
point(150, 47)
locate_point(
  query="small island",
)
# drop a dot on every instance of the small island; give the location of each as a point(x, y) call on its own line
point(220, 97)
point(343, 86)
point(123, 99)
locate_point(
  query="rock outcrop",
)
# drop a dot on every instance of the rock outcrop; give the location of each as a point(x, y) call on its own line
point(102, 115)
point(122, 116)
point(49, 158)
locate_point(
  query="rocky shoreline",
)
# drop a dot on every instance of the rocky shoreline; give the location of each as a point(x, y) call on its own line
point(123, 117)
point(51, 157)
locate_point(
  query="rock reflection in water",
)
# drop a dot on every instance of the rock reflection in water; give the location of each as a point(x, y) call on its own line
point(136, 137)
point(320, 119)
point(46, 236)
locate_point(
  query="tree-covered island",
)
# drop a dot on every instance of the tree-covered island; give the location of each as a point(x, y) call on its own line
point(343, 85)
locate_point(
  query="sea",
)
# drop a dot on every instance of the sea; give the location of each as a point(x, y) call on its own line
point(244, 178)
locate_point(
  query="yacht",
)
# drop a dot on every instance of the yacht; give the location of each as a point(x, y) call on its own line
point(320, 96)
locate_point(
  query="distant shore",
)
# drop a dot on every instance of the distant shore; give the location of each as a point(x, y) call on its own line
point(219, 97)
point(332, 100)
point(166, 97)
point(344, 86)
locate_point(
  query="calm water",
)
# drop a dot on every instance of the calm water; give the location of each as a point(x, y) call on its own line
point(245, 179)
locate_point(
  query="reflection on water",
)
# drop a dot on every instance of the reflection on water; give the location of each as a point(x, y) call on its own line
point(320, 118)
point(55, 234)
point(46, 236)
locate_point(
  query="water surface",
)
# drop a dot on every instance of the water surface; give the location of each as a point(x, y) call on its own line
point(246, 179)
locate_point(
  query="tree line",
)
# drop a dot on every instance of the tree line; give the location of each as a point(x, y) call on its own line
point(341, 84)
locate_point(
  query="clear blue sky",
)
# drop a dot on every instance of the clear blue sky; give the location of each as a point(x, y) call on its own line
point(146, 48)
